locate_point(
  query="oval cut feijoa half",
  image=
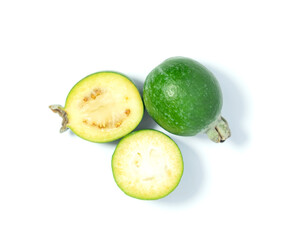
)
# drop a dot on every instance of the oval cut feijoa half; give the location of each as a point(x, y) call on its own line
point(102, 107)
point(147, 164)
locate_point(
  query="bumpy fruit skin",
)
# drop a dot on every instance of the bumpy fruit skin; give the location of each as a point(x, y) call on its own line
point(182, 96)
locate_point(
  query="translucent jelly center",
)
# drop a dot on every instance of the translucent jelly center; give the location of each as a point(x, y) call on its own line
point(101, 109)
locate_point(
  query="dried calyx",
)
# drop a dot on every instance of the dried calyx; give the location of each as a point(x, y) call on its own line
point(219, 130)
point(59, 109)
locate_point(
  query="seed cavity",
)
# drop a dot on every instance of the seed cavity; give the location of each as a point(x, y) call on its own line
point(138, 159)
point(97, 91)
point(93, 96)
point(127, 112)
point(95, 124)
point(101, 116)
point(137, 163)
point(102, 125)
point(94, 93)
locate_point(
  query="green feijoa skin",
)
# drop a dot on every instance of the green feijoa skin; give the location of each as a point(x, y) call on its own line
point(147, 165)
point(102, 107)
point(185, 99)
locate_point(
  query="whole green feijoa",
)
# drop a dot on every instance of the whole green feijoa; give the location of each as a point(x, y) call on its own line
point(185, 98)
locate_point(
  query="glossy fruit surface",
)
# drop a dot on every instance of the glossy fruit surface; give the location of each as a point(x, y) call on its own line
point(102, 107)
point(147, 164)
point(183, 96)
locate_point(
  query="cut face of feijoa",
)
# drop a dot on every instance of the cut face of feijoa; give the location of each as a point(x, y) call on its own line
point(102, 107)
point(147, 164)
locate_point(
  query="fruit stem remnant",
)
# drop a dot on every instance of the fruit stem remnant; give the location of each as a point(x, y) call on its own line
point(219, 130)
point(59, 109)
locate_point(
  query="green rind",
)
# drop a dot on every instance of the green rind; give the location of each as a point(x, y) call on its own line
point(129, 135)
point(79, 82)
point(182, 96)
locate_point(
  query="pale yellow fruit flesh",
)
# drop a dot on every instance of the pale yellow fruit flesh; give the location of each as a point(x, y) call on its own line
point(103, 107)
point(147, 165)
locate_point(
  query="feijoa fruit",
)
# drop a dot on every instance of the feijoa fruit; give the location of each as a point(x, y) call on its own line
point(102, 107)
point(185, 98)
point(147, 164)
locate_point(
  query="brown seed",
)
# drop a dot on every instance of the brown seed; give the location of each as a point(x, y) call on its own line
point(85, 99)
point(94, 124)
point(117, 124)
point(85, 121)
point(97, 92)
point(101, 125)
point(127, 112)
point(93, 96)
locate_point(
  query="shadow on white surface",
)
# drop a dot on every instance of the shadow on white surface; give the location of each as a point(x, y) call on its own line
point(234, 106)
point(192, 179)
point(146, 123)
point(139, 84)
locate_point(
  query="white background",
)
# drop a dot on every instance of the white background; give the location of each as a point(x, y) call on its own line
point(58, 186)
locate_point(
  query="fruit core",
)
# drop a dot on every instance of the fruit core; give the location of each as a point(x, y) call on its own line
point(100, 110)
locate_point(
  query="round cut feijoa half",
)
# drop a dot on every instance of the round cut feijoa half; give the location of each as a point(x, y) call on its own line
point(185, 98)
point(147, 165)
point(102, 107)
